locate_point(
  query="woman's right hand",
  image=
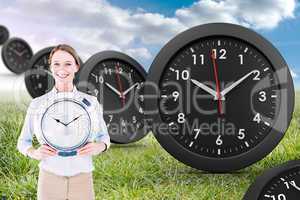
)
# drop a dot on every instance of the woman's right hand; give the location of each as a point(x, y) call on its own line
point(44, 151)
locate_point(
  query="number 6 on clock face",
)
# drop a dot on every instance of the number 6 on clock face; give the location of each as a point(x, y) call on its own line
point(227, 82)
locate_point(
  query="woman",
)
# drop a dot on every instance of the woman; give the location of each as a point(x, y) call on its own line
point(63, 177)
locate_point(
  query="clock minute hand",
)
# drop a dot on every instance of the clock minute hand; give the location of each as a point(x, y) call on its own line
point(128, 90)
point(113, 89)
point(74, 120)
point(236, 83)
point(205, 88)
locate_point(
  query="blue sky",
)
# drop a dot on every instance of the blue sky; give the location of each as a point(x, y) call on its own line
point(140, 28)
point(285, 37)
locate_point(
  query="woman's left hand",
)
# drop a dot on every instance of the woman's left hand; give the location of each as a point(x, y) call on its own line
point(92, 148)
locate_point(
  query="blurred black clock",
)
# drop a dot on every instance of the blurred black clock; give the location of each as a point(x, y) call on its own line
point(117, 81)
point(225, 97)
point(279, 183)
point(16, 54)
point(38, 79)
point(4, 34)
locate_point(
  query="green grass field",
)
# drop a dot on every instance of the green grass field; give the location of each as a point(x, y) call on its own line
point(139, 171)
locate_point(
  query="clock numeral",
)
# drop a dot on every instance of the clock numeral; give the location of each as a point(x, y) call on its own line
point(141, 97)
point(263, 96)
point(181, 118)
point(201, 59)
point(278, 197)
point(219, 141)
point(222, 54)
point(120, 71)
point(141, 110)
point(241, 56)
point(139, 85)
point(123, 123)
point(175, 94)
point(110, 118)
point(134, 119)
point(107, 71)
point(257, 118)
point(257, 74)
point(241, 134)
point(184, 75)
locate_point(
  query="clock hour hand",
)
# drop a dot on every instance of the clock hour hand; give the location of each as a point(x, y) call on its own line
point(74, 120)
point(58, 121)
point(206, 88)
point(113, 89)
point(128, 90)
point(228, 89)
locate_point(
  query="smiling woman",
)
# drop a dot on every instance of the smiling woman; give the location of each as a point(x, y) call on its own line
point(62, 177)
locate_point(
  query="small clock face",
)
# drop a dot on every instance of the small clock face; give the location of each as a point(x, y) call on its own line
point(38, 78)
point(72, 125)
point(220, 96)
point(4, 34)
point(280, 183)
point(16, 54)
point(117, 81)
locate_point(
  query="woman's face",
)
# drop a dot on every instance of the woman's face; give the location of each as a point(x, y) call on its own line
point(63, 67)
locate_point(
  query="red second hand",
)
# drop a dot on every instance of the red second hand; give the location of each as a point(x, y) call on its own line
point(120, 84)
point(213, 56)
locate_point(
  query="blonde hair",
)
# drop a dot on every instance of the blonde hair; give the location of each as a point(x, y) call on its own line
point(67, 48)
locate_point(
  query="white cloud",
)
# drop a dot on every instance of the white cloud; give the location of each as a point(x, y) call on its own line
point(259, 14)
point(294, 74)
point(96, 25)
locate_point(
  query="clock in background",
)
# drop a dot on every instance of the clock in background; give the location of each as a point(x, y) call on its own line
point(279, 183)
point(117, 81)
point(16, 54)
point(224, 95)
point(4, 34)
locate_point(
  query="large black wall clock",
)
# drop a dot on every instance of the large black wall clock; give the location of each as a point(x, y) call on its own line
point(16, 54)
point(224, 97)
point(279, 183)
point(4, 34)
point(117, 81)
point(38, 79)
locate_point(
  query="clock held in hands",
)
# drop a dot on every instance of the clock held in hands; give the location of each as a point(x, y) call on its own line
point(72, 122)
point(16, 55)
point(223, 99)
point(117, 81)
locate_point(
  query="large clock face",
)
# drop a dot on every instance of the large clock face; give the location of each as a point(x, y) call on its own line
point(16, 54)
point(220, 95)
point(117, 81)
point(280, 183)
point(219, 129)
point(71, 121)
point(4, 34)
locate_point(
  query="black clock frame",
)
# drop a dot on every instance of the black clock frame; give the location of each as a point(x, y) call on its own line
point(31, 71)
point(4, 38)
point(108, 55)
point(277, 131)
point(4, 50)
point(254, 191)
